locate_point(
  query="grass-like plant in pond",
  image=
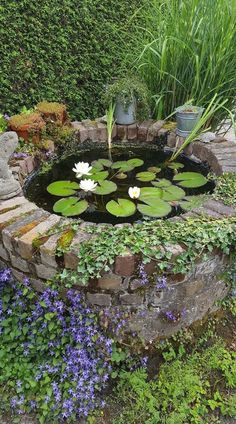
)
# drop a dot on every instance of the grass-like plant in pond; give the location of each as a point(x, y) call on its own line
point(101, 187)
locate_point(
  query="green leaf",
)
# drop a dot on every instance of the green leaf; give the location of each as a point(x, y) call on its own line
point(121, 208)
point(191, 202)
point(161, 183)
point(135, 162)
point(150, 194)
point(71, 206)
point(176, 165)
point(97, 166)
point(173, 193)
point(105, 162)
point(123, 166)
point(63, 188)
point(98, 176)
point(146, 176)
point(190, 179)
point(154, 169)
point(158, 210)
point(105, 187)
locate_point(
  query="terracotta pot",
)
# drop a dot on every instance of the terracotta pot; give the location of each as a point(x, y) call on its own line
point(53, 112)
point(28, 127)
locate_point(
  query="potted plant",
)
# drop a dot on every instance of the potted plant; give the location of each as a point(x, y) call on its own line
point(53, 112)
point(187, 117)
point(28, 125)
point(131, 99)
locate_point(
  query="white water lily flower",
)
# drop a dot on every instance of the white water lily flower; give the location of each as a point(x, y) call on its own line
point(88, 185)
point(82, 168)
point(134, 192)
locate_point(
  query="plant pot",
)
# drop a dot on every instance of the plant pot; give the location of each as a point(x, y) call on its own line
point(187, 119)
point(125, 115)
point(53, 112)
point(28, 127)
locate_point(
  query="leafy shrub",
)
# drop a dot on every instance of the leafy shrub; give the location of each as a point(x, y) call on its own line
point(181, 393)
point(186, 51)
point(62, 51)
point(54, 359)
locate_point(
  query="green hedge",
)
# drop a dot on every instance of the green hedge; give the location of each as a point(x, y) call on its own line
point(62, 50)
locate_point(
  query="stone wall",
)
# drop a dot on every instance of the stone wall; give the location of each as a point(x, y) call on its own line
point(188, 297)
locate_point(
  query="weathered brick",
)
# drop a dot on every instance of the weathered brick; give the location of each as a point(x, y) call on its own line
point(220, 208)
point(3, 253)
point(11, 230)
point(25, 243)
point(171, 140)
point(143, 129)
point(174, 249)
point(125, 264)
point(153, 129)
point(132, 132)
point(207, 212)
point(71, 258)
point(48, 251)
point(122, 132)
point(91, 127)
point(136, 284)
point(101, 131)
point(30, 164)
point(99, 299)
point(11, 203)
point(23, 167)
point(19, 263)
point(25, 208)
point(110, 282)
point(45, 272)
point(82, 131)
point(131, 299)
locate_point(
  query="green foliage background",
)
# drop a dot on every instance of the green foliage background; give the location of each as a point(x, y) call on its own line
point(62, 50)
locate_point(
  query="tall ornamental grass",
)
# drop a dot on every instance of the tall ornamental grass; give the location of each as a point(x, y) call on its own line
point(186, 49)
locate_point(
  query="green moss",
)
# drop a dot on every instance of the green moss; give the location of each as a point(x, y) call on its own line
point(32, 119)
point(51, 107)
point(65, 240)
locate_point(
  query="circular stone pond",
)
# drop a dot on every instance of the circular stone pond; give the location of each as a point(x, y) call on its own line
point(31, 231)
point(165, 188)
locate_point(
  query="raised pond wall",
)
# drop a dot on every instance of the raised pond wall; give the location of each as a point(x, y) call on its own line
point(192, 295)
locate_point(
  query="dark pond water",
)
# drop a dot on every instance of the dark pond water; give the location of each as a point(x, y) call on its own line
point(36, 185)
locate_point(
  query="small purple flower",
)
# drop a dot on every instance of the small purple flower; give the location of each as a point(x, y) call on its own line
point(143, 275)
point(170, 316)
point(161, 282)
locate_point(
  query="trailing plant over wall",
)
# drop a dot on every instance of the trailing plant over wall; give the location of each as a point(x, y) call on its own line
point(226, 189)
point(199, 237)
point(62, 51)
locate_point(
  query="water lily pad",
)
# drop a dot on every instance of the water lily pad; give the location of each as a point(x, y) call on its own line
point(63, 188)
point(122, 165)
point(105, 187)
point(190, 179)
point(154, 169)
point(175, 165)
point(105, 162)
point(173, 193)
point(192, 202)
point(70, 206)
point(135, 162)
point(160, 209)
point(121, 208)
point(150, 194)
point(161, 183)
point(99, 176)
point(97, 166)
point(146, 176)
point(121, 176)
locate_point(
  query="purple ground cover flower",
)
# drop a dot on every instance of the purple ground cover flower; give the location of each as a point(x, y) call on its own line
point(161, 282)
point(60, 343)
point(143, 275)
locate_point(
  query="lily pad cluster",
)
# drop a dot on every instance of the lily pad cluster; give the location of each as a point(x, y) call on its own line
point(101, 178)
